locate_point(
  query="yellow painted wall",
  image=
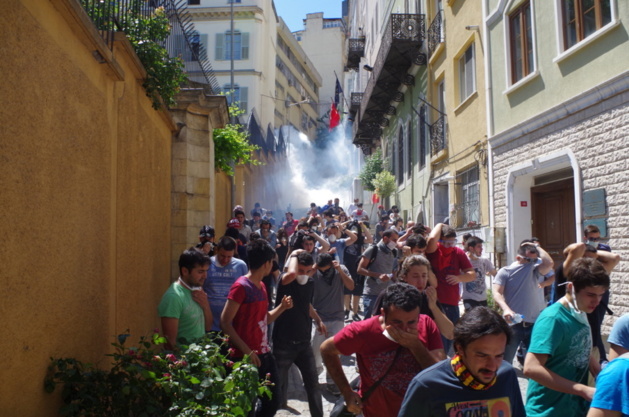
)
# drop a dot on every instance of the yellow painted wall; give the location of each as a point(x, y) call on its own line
point(84, 197)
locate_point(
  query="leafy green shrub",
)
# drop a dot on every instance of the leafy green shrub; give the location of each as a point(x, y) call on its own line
point(146, 381)
point(232, 146)
point(373, 165)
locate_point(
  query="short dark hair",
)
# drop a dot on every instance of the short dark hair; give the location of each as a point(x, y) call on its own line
point(473, 241)
point(478, 322)
point(227, 243)
point(591, 228)
point(416, 241)
point(329, 213)
point(264, 222)
point(302, 223)
point(419, 229)
point(191, 258)
point(389, 233)
point(587, 272)
point(448, 231)
point(324, 260)
point(402, 296)
point(259, 252)
point(527, 248)
point(256, 214)
point(304, 259)
point(383, 218)
point(237, 212)
point(254, 235)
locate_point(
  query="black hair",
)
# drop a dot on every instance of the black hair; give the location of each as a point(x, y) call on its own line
point(416, 241)
point(254, 235)
point(389, 232)
point(587, 272)
point(448, 231)
point(305, 259)
point(256, 213)
point(466, 237)
point(402, 296)
point(237, 212)
point(527, 247)
point(473, 241)
point(329, 213)
point(264, 222)
point(191, 258)
point(476, 323)
point(259, 252)
point(383, 218)
point(419, 229)
point(227, 242)
point(324, 260)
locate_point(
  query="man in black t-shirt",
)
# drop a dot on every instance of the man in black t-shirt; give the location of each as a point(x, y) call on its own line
point(291, 332)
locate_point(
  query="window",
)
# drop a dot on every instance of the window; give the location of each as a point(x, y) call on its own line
point(467, 82)
point(223, 46)
point(521, 38)
point(581, 18)
point(233, 1)
point(422, 137)
point(399, 166)
point(470, 198)
point(194, 2)
point(408, 150)
point(236, 94)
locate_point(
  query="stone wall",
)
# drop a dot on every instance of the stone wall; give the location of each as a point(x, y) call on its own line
point(598, 137)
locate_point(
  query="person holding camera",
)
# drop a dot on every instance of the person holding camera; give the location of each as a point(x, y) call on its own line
point(516, 290)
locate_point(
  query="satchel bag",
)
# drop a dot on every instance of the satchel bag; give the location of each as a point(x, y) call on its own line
point(340, 408)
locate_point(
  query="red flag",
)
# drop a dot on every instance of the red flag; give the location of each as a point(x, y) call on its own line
point(335, 117)
point(374, 198)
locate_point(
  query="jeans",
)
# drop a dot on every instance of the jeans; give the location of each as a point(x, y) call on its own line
point(368, 304)
point(452, 313)
point(521, 334)
point(268, 406)
point(333, 328)
point(299, 353)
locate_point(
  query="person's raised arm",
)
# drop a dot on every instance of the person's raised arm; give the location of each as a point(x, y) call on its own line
point(608, 259)
point(325, 246)
point(351, 236)
point(366, 233)
point(444, 324)
point(433, 239)
point(348, 282)
point(547, 262)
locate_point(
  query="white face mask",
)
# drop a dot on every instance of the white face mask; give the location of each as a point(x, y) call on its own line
point(391, 245)
point(574, 309)
point(332, 238)
point(302, 279)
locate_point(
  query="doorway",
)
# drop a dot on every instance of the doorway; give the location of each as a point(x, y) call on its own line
point(553, 217)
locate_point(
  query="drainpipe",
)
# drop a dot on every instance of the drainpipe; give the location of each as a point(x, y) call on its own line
point(489, 119)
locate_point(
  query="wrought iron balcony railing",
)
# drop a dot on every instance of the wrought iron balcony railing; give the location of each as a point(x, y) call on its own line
point(110, 16)
point(355, 100)
point(436, 33)
point(438, 136)
point(355, 51)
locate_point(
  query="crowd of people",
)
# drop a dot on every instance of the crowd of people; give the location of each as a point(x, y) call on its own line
point(306, 291)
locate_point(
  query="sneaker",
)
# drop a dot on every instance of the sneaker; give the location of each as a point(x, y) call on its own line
point(346, 314)
point(356, 317)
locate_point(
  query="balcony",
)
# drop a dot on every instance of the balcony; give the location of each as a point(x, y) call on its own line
point(354, 102)
point(356, 50)
point(399, 50)
point(436, 33)
point(438, 136)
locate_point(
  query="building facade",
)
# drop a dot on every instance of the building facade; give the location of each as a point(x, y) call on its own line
point(558, 102)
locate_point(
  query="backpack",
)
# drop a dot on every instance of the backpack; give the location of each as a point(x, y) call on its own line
point(361, 278)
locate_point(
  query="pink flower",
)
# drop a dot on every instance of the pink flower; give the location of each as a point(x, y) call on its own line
point(231, 351)
point(229, 364)
point(171, 357)
point(167, 376)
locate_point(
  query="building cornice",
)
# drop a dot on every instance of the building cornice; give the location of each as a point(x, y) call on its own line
point(224, 13)
point(597, 94)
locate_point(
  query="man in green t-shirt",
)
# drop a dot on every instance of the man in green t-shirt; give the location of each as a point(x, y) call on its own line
point(560, 352)
point(184, 310)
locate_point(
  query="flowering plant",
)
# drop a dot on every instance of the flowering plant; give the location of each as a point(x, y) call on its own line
point(147, 381)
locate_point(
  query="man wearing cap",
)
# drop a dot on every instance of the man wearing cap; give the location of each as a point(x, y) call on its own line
point(206, 235)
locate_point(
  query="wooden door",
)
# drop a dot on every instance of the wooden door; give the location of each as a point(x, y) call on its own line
point(553, 217)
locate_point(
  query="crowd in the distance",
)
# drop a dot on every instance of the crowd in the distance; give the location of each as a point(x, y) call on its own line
point(307, 291)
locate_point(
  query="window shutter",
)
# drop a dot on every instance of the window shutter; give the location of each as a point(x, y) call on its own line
point(244, 92)
point(220, 43)
point(245, 46)
point(203, 49)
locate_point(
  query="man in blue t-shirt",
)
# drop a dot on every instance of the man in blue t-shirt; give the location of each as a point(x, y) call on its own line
point(560, 352)
point(476, 381)
point(223, 272)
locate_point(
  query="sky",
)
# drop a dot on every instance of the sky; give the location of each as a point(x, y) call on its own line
point(294, 11)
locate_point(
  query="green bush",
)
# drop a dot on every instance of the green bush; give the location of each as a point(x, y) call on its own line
point(145, 381)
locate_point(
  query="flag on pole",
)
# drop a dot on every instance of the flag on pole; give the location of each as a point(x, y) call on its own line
point(338, 90)
point(335, 117)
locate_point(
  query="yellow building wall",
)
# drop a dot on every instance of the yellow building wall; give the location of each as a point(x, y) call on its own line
point(85, 198)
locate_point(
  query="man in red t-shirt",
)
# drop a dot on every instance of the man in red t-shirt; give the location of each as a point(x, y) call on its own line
point(451, 266)
point(376, 342)
point(245, 319)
